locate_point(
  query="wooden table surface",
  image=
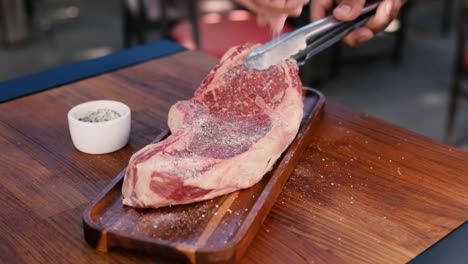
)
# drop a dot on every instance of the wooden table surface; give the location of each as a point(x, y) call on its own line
point(365, 191)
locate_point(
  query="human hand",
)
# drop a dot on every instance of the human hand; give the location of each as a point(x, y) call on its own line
point(348, 10)
point(274, 12)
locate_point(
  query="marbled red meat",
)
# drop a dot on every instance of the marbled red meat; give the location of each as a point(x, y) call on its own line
point(225, 138)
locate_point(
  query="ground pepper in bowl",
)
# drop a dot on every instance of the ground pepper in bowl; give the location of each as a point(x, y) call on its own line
point(100, 115)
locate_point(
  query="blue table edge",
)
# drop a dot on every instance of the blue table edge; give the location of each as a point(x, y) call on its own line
point(68, 73)
point(452, 248)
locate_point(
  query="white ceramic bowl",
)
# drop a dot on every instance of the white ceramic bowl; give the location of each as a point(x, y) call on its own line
point(99, 137)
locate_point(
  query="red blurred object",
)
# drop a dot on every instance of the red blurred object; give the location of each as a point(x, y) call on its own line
point(465, 62)
point(219, 32)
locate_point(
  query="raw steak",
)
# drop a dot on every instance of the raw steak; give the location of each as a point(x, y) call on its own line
point(225, 138)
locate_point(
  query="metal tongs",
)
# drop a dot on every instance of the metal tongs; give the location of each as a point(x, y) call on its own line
point(306, 41)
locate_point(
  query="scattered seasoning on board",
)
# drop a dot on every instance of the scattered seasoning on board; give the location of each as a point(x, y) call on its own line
point(100, 115)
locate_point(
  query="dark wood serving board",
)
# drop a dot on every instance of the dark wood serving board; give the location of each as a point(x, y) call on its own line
point(213, 231)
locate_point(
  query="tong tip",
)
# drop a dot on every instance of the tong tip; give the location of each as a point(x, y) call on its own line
point(273, 53)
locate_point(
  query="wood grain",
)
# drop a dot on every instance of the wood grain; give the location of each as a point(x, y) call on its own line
point(365, 191)
point(218, 230)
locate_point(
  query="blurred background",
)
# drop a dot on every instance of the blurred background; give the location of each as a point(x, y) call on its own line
point(410, 75)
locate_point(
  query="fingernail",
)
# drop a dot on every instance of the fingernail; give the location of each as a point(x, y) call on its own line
point(344, 8)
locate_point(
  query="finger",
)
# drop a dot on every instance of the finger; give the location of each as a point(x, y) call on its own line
point(262, 20)
point(277, 23)
point(396, 7)
point(358, 36)
point(276, 7)
point(293, 4)
point(382, 17)
point(297, 12)
point(295, 7)
point(348, 10)
point(249, 5)
point(319, 8)
point(269, 4)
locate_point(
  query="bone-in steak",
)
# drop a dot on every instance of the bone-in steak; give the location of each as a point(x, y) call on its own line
point(225, 138)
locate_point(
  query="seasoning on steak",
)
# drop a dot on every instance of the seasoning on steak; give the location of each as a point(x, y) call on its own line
point(225, 138)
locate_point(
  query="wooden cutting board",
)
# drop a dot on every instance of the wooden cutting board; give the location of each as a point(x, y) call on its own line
point(213, 231)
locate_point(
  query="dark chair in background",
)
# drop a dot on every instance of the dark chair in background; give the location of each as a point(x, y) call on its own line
point(143, 16)
point(15, 21)
point(24, 21)
point(139, 17)
point(457, 91)
point(446, 16)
